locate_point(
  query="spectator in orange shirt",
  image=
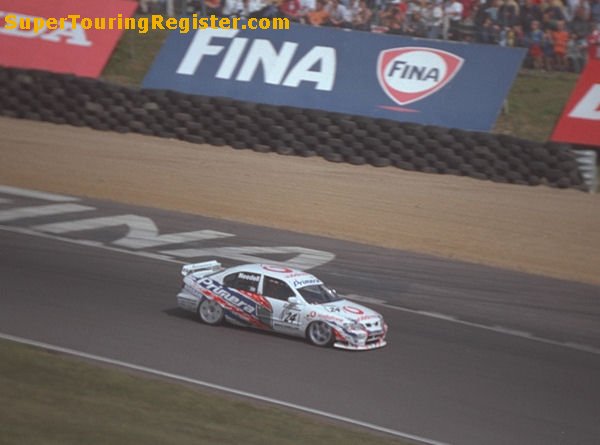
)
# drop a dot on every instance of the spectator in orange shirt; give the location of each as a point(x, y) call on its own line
point(319, 16)
point(560, 37)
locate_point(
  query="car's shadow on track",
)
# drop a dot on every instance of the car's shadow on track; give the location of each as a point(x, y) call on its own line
point(180, 313)
point(193, 318)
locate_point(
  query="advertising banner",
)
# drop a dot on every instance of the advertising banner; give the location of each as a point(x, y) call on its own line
point(580, 120)
point(33, 36)
point(393, 77)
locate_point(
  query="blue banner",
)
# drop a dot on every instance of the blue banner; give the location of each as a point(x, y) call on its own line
point(432, 82)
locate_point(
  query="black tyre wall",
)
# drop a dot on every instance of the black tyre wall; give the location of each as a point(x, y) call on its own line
point(65, 99)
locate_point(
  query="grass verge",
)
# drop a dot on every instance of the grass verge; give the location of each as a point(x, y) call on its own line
point(534, 102)
point(133, 57)
point(54, 399)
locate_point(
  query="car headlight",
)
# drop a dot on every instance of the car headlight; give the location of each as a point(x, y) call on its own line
point(353, 326)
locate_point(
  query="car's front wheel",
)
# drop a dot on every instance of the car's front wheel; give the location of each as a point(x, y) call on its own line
point(320, 334)
point(210, 312)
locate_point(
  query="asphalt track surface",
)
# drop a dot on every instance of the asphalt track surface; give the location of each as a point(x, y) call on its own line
point(508, 367)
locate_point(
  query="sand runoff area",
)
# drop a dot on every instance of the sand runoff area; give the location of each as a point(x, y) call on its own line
point(532, 229)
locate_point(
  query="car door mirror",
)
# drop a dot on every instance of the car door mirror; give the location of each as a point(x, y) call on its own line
point(294, 300)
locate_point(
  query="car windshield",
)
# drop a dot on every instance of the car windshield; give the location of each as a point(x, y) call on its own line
point(318, 294)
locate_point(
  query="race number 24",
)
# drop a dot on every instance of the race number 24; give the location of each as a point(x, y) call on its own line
point(291, 317)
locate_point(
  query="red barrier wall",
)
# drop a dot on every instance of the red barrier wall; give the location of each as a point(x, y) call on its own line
point(70, 50)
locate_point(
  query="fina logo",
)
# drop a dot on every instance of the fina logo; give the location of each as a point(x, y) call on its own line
point(411, 74)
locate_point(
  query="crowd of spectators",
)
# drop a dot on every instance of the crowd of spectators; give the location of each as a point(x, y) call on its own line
point(559, 34)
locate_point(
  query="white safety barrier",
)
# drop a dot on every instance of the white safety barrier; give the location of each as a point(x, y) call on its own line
point(587, 160)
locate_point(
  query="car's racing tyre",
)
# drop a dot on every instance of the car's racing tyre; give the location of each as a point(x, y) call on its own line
point(320, 334)
point(210, 312)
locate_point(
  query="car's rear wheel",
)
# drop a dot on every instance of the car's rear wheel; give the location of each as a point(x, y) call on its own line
point(210, 312)
point(320, 334)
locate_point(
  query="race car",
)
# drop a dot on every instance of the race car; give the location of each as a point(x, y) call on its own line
point(280, 299)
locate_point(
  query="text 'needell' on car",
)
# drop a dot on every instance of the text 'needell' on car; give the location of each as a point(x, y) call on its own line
point(279, 299)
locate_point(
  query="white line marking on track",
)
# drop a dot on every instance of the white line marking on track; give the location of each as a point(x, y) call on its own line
point(88, 243)
point(437, 315)
point(498, 329)
point(582, 347)
point(364, 299)
point(142, 232)
point(511, 331)
point(377, 301)
point(43, 210)
point(226, 389)
point(35, 194)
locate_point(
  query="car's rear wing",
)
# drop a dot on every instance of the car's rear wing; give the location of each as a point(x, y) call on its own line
point(206, 266)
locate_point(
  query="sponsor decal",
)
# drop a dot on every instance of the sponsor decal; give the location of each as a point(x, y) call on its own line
point(277, 269)
point(249, 277)
point(258, 299)
point(215, 288)
point(253, 309)
point(588, 106)
point(32, 34)
point(411, 74)
point(580, 120)
point(277, 66)
point(353, 310)
point(297, 274)
point(237, 304)
point(367, 317)
point(194, 290)
point(316, 68)
point(306, 282)
point(339, 336)
point(331, 318)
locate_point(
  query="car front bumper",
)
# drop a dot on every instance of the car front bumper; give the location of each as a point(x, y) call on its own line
point(360, 347)
point(358, 341)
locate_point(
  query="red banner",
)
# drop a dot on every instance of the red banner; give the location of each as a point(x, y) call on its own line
point(46, 46)
point(580, 120)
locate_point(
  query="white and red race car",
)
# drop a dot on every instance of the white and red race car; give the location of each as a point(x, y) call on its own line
point(280, 299)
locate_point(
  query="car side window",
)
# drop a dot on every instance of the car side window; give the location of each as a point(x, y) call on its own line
point(229, 280)
point(245, 281)
point(277, 289)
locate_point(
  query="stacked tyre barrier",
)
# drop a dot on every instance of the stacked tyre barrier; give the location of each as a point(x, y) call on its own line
point(64, 99)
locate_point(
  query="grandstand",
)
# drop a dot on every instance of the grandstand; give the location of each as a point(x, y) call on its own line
point(560, 36)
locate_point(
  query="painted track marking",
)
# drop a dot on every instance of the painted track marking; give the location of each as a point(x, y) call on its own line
point(38, 211)
point(376, 301)
point(26, 193)
point(493, 328)
point(88, 243)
